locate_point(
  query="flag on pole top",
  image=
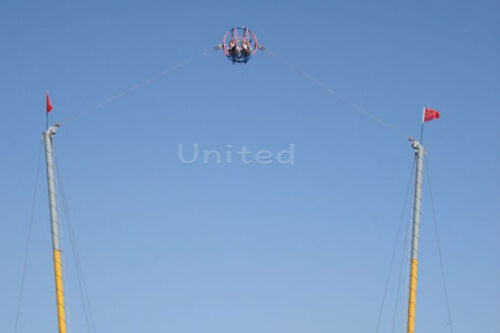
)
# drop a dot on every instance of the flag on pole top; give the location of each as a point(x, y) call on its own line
point(49, 105)
point(429, 114)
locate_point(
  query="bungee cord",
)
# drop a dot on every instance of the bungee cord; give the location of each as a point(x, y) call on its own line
point(354, 106)
point(146, 82)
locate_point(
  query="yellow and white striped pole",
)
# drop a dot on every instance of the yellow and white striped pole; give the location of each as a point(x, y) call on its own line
point(412, 299)
point(56, 247)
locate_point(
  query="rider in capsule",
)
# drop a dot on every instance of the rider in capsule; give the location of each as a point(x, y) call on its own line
point(233, 48)
point(246, 48)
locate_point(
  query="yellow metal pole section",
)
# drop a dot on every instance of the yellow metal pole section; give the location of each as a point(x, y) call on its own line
point(413, 296)
point(59, 291)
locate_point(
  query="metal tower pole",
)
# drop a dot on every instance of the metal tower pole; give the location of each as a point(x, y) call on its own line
point(56, 247)
point(419, 154)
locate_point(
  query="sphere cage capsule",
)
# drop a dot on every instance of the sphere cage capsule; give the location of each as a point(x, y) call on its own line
point(239, 45)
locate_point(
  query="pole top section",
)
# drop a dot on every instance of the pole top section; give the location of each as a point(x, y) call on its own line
point(52, 129)
point(415, 144)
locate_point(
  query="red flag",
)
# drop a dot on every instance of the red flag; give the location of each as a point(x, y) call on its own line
point(429, 114)
point(49, 106)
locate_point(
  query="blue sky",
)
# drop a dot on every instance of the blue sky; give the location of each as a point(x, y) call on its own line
point(180, 248)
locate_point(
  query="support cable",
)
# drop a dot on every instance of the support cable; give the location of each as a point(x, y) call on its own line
point(394, 250)
point(28, 239)
point(76, 255)
point(438, 243)
point(405, 255)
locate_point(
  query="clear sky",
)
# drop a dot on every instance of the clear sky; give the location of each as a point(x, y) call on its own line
point(169, 247)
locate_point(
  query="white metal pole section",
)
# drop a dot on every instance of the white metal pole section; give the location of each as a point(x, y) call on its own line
point(419, 154)
point(51, 186)
point(56, 247)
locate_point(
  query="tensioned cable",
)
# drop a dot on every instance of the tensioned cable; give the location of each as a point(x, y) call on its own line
point(405, 255)
point(438, 243)
point(28, 238)
point(139, 85)
point(394, 250)
point(334, 92)
point(407, 274)
point(76, 255)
